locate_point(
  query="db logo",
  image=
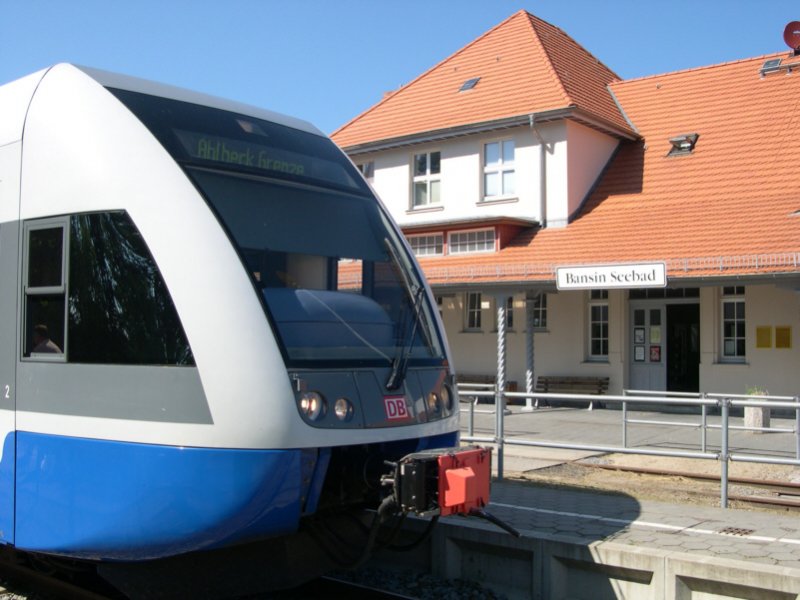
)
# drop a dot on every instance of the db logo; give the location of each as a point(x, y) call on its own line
point(395, 407)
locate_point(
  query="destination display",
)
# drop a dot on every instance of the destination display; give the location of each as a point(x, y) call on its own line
point(589, 277)
point(237, 152)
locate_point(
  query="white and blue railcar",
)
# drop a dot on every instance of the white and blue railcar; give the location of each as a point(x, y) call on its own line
point(210, 328)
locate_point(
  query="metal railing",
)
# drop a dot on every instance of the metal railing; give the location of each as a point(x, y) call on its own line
point(761, 401)
point(724, 402)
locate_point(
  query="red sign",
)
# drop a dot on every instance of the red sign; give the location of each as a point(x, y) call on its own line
point(396, 408)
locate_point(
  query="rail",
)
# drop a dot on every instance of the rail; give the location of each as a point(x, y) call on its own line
point(723, 402)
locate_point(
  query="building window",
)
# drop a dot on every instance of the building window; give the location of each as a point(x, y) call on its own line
point(598, 325)
point(540, 312)
point(107, 304)
point(733, 323)
point(367, 170)
point(427, 179)
point(498, 169)
point(473, 311)
point(469, 242)
point(427, 245)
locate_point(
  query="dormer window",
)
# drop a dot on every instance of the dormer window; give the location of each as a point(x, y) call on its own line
point(683, 144)
point(469, 84)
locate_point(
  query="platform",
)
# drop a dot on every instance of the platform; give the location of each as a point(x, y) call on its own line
point(584, 544)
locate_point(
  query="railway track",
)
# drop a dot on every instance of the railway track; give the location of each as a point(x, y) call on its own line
point(784, 494)
point(21, 577)
point(329, 587)
point(20, 581)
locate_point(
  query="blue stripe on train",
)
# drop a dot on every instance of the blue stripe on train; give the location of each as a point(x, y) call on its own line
point(103, 499)
point(118, 500)
point(7, 490)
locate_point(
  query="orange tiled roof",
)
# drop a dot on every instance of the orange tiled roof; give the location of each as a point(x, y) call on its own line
point(525, 66)
point(730, 208)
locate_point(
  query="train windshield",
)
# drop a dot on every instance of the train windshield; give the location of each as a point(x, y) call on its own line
point(336, 281)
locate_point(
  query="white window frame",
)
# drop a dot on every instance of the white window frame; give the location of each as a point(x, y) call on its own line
point(430, 180)
point(598, 299)
point(422, 244)
point(473, 320)
point(501, 169)
point(733, 296)
point(452, 245)
point(540, 312)
point(60, 290)
point(367, 169)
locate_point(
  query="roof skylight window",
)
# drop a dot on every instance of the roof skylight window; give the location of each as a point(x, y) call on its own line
point(469, 84)
point(771, 65)
point(683, 144)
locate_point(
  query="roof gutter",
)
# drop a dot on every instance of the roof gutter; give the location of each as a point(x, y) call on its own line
point(446, 133)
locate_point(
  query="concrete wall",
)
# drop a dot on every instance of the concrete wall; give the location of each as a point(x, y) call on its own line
point(550, 566)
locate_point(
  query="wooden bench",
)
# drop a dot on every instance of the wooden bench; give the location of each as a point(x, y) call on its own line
point(571, 384)
point(484, 380)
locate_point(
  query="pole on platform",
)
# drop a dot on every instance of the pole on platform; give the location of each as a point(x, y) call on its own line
point(724, 455)
point(624, 421)
point(530, 305)
point(797, 427)
point(704, 428)
point(500, 381)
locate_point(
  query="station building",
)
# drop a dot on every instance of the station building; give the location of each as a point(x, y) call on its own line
point(645, 230)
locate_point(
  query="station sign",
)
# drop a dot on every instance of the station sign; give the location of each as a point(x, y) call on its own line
point(629, 276)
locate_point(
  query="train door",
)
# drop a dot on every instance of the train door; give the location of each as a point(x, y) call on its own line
point(648, 360)
point(9, 244)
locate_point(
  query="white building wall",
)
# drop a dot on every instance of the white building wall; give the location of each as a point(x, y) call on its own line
point(773, 369)
point(588, 154)
point(571, 156)
point(561, 348)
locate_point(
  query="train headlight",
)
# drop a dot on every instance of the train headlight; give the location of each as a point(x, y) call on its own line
point(434, 403)
point(312, 405)
point(343, 409)
point(447, 398)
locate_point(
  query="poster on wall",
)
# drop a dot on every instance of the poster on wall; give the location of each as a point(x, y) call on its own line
point(638, 353)
point(655, 353)
point(655, 334)
point(638, 335)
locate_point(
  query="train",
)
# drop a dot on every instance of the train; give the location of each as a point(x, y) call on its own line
point(212, 330)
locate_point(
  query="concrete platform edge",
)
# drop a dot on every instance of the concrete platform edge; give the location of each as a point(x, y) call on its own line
point(542, 566)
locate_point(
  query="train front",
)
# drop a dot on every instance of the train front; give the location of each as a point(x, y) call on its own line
point(309, 346)
point(352, 363)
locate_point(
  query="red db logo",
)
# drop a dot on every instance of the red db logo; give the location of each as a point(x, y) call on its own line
point(395, 407)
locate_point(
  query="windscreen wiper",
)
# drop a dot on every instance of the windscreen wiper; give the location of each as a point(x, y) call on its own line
point(400, 362)
point(416, 293)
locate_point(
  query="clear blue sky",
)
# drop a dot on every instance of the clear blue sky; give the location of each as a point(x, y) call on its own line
point(328, 60)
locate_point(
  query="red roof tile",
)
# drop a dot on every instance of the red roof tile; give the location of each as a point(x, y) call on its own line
point(525, 66)
point(731, 207)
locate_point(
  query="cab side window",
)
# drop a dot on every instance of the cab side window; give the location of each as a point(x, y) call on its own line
point(45, 289)
point(106, 303)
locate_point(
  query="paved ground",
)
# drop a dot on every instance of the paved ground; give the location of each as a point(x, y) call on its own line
point(586, 517)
